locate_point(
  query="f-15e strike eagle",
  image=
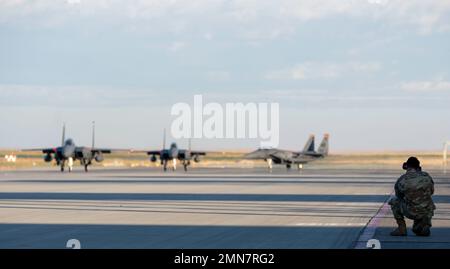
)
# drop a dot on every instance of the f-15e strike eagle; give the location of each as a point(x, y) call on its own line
point(68, 152)
point(173, 154)
point(289, 158)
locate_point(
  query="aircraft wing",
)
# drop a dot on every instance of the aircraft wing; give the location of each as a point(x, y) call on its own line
point(44, 150)
point(258, 154)
point(107, 151)
point(315, 154)
point(202, 153)
point(79, 150)
point(277, 156)
point(104, 150)
point(154, 152)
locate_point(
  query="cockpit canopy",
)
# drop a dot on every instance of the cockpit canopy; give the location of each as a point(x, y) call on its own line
point(173, 145)
point(69, 142)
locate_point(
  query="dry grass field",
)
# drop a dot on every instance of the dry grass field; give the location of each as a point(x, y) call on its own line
point(366, 160)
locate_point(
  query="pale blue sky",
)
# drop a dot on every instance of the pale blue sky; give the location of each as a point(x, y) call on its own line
point(373, 73)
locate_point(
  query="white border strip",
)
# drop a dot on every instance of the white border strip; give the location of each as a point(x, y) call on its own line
point(371, 227)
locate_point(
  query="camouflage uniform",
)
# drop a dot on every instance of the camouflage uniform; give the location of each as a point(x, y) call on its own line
point(413, 192)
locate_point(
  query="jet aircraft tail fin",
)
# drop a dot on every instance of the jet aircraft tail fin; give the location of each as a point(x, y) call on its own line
point(324, 145)
point(164, 139)
point(93, 134)
point(309, 146)
point(63, 135)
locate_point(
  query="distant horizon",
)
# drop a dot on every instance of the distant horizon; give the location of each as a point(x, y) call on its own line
point(244, 150)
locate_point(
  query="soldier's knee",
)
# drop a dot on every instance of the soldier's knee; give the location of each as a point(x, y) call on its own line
point(395, 205)
point(394, 202)
point(396, 208)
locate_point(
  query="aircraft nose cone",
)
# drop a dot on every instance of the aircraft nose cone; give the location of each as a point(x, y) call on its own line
point(253, 155)
point(66, 153)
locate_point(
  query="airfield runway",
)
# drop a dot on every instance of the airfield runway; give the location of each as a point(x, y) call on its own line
point(207, 208)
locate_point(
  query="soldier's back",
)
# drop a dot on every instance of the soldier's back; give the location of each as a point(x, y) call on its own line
point(418, 188)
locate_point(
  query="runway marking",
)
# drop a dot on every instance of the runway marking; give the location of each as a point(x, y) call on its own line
point(335, 224)
point(370, 229)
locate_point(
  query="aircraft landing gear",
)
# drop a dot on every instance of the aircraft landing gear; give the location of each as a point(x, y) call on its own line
point(185, 165)
point(300, 166)
point(165, 165)
point(70, 164)
point(174, 164)
point(288, 166)
point(62, 166)
point(269, 164)
point(85, 163)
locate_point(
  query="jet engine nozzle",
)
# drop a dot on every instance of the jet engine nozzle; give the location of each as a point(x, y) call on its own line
point(48, 158)
point(99, 157)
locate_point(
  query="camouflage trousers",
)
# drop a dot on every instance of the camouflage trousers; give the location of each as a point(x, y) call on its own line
point(400, 211)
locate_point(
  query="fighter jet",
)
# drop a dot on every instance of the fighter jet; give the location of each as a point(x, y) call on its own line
point(174, 153)
point(68, 152)
point(289, 158)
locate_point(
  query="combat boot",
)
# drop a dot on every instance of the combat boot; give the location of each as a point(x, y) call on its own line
point(401, 230)
point(422, 227)
point(425, 231)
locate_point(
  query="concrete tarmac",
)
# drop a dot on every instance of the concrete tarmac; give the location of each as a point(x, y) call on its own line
point(207, 208)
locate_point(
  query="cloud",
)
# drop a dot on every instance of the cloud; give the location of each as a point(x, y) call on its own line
point(177, 46)
point(74, 96)
point(73, 2)
point(426, 86)
point(323, 70)
point(427, 16)
point(257, 19)
point(218, 75)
